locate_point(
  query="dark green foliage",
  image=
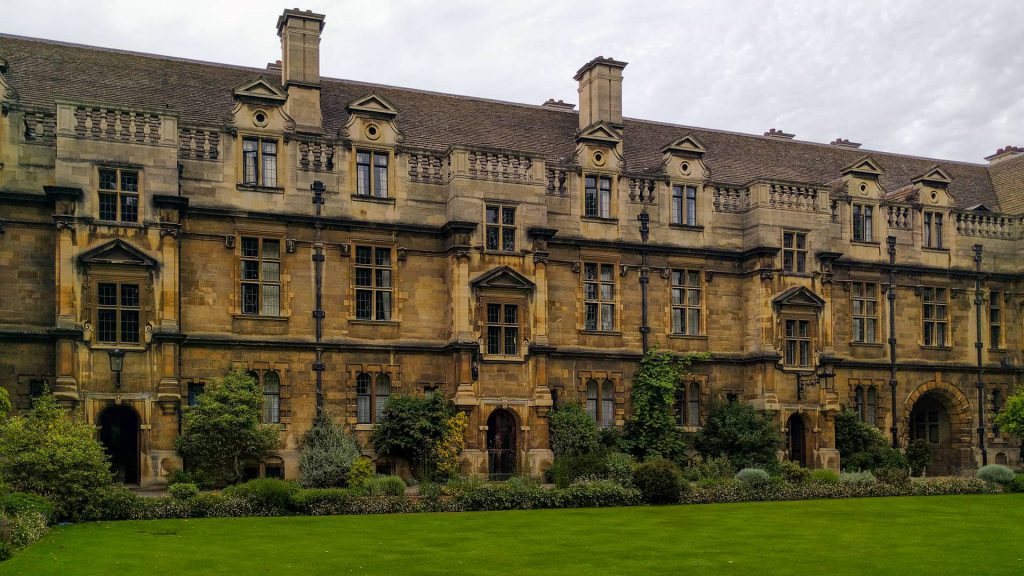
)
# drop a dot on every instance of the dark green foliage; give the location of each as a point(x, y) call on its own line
point(566, 469)
point(700, 468)
point(410, 428)
point(196, 477)
point(14, 503)
point(824, 476)
point(1018, 484)
point(5, 403)
point(894, 476)
point(328, 452)
point(737, 431)
point(612, 440)
point(919, 457)
point(223, 429)
point(863, 447)
point(652, 431)
point(386, 486)
point(6, 551)
point(183, 490)
point(571, 431)
point(269, 493)
point(47, 451)
point(658, 480)
point(753, 477)
point(618, 467)
point(792, 472)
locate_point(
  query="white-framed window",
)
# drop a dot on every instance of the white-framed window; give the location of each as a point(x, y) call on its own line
point(118, 195)
point(598, 297)
point(500, 228)
point(797, 343)
point(686, 302)
point(863, 223)
point(260, 276)
point(374, 284)
point(601, 401)
point(935, 303)
point(372, 173)
point(502, 329)
point(259, 161)
point(597, 196)
point(372, 394)
point(932, 223)
point(684, 205)
point(864, 310)
point(794, 251)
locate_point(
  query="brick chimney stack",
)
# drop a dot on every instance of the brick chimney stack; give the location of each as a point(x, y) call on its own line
point(600, 92)
point(300, 66)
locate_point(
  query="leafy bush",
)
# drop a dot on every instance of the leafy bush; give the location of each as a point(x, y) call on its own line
point(430, 490)
point(6, 551)
point(1018, 483)
point(894, 476)
point(567, 469)
point(571, 431)
point(652, 430)
point(735, 491)
point(268, 493)
point(117, 503)
point(824, 476)
point(446, 451)
point(514, 494)
point(48, 452)
point(360, 473)
point(700, 468)
point(996, 474)
point(595, 494)
point(196, 477)
point(619, 468)
point(26, 527)
point(659, 481)
point(919, 456)
point(328, 453)
point(1011, 416)
point(793, 473)
point(224, 428)
point(183, 491)
point(14, 503)
point(864, 478)
point(386, 486)
point(410, 427)
point(753, 477)
point(322, 501)
point(737, 431)
point(863, 447)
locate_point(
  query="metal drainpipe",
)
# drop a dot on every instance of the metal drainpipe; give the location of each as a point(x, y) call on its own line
point(978, 346)
point(891, 297)
point(644, 219)
point(318, 313)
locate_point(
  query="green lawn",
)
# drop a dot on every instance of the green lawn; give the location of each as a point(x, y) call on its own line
point(877, 536)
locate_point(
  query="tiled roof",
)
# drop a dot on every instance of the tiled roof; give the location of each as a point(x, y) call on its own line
point(42, 71)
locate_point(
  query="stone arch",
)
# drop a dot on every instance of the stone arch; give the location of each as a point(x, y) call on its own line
point(953, 453)
point(956, 402)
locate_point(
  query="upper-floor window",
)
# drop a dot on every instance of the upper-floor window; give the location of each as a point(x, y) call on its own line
point(684, 205)
point(688, 404)
point(372, 395)
point(599, 296)
point(794, 251)
point(501, 228)
point(195, 390)
point(935, 328)
point(798, 343)
point(259, 161)
point(118, 313)
point(864, 309)
point(995, 320)
point(119, 195)
point(261, 276)
point(601, 402)
point(503, 329)
point(373, 283)
point(597, 196)
point(372, 173)
point(863, 223)
point(271, 397)
point(686, 302)
point(933, 229)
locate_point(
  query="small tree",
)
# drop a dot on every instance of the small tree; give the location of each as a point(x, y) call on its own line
point(446, 451)
point(652, 430)
point(49, 452)
point(410, 428)
point(572, 432)
point(737, 431)
point(1011, 415)
point(328, 452)
point(223, 429)
point(864, 447)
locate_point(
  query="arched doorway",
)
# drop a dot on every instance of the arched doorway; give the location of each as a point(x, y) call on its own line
point(796, 437)
point(119, 433)
point(930, 422)
point(501, 445)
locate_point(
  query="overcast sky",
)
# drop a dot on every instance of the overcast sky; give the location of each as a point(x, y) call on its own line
point(941, 78)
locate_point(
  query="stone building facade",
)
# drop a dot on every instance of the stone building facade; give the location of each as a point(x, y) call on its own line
point(182, 212)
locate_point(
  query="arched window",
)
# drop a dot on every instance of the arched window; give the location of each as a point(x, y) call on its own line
point(382, 394)
point(592, 399)
point(271, 397)
point(871, 414)
point(607, 403)
point(254, 375)
point(364, 398)
point(693, 405)
point(858, 402)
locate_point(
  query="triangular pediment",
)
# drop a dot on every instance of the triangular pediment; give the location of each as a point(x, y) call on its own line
point(504, 278)
point(935, 176)
point(685, 146)
point(866, 166)
point(799, 297)
point(600, 132)
point(118, 253)
point(260, 90)
point(373, 104)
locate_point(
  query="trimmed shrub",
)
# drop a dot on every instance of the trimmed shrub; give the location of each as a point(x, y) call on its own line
point(6, 551)
point(430, 490)
point(572, 432)
point(328, 452)
point(1018, 483)
point(753, 477)
point(864, 447)
point(183, 491)
point(701, 468)
point(919, 456)
point(824, 476)
point(619, 468)
point(858, 478)
point(996, 473)
point(567, 469)
point(360, 473)
point(514, 494)
point(269, 493)
point(14, 503)
point(595, 494)
point(386, 486)
point(322, 501)
point(735, 491)
point(659, 481)
point(26, 527)
point(118, 503)
point(894, 476)
point(793, 473)
point(737, 431)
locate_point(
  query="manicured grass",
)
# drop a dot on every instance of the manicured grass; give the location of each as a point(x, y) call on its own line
point(877, 536)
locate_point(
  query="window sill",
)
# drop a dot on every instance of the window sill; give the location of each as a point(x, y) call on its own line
point(365, 427)
point(255, 188)
point(498, 359)
point(365, 322)
point(120, 223)
point(373, 199)
point(688, 336)
point(601, 332)
point(797, 369)
point(938, 250)
point(126, 347)
point(997, 350)
point(502, 252)
point(599, 219)
point(797, 274)
point(865, 243)
point(693, 228)
point(868, 344)
point(260, 318)
point(942, 348)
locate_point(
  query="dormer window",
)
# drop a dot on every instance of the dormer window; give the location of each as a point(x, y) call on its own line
point(372, 173)
point(933, 230)
point(597, 197)
point(259, 162)
point(684, 205)
point(863, 223)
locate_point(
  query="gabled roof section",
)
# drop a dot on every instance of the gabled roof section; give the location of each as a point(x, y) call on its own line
point(373, 104)
point(505, 278)
point(600, 132)
point(685, 146)
point(116, 252)
point(260, 90)
point(798, 296)
point(865, 166)
point(935, 176)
